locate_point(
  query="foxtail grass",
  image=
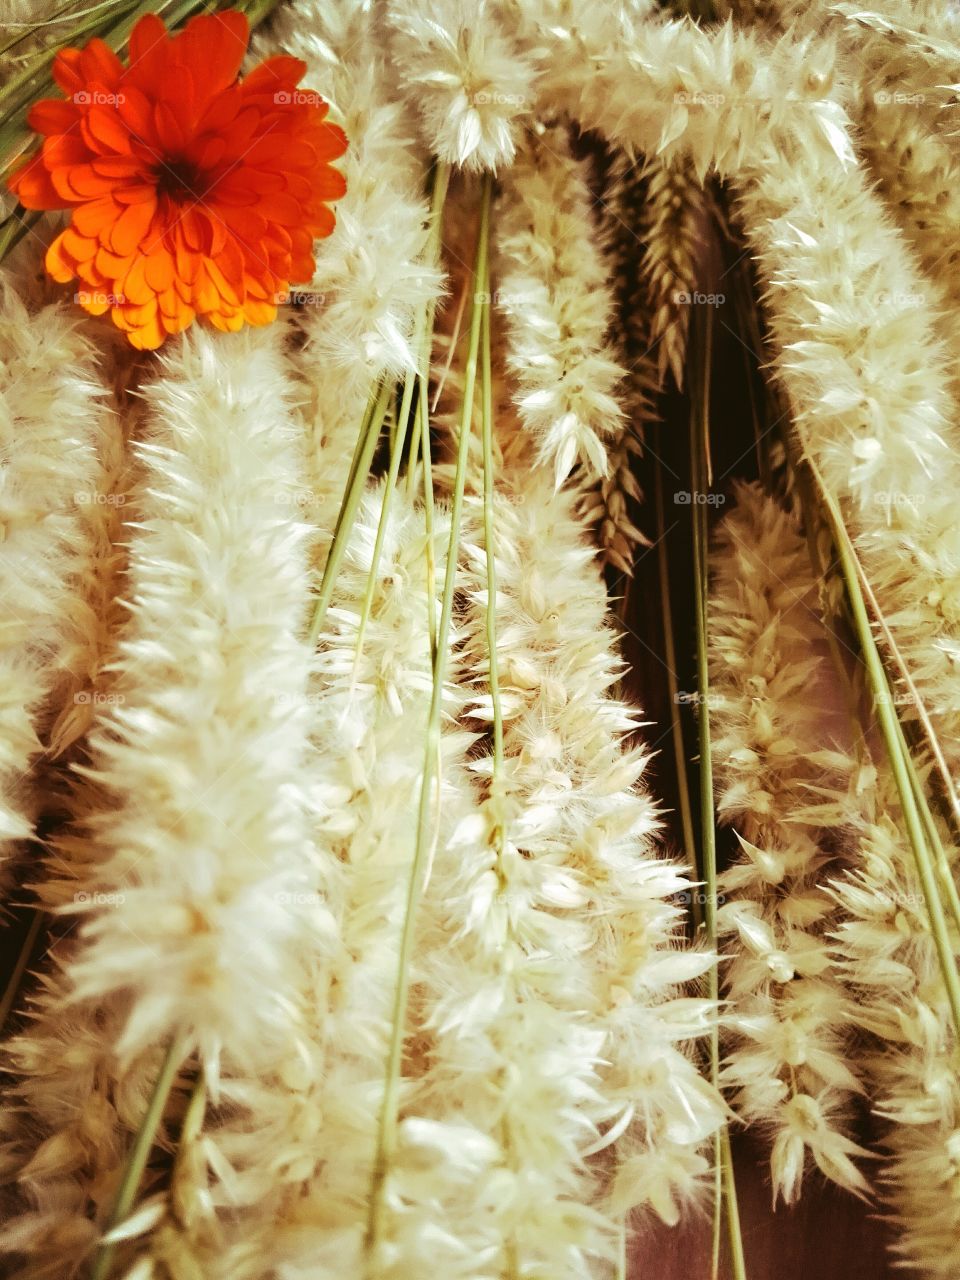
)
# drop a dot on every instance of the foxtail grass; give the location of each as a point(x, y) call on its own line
point(136, 1162)
point(930, 869)
point(387, 1125)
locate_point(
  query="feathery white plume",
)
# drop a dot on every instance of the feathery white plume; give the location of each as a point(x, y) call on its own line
point(891, 964)
point(770, 683)
point(371, 278)
point(469, 82)
point(54, 421)
point(850, 318)
point(203, 748)
point(194, 882)
point(554, 291)
point(309, 1211)
point(580, 886)
point(726, 97)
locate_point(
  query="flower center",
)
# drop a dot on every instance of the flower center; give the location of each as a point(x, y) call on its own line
point(178, 180)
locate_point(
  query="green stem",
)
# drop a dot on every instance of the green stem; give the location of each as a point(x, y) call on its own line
point(422, 344)
point(441, 182)
point(423, 414)
point(890, 728)
point(811, 520)
point(734, 1233)
point(356, 482)
point(387, 1127)
point(486, 400)
point(44, 57)
point(139, 1154)
point(62, 13)
point(258, 11)
point(676, 722)
point(390, 484)
point(929, 732)
point(15, 227)
point(725, 1191)
point(511, 1262)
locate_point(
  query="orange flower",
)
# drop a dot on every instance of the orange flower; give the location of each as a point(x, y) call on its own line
point(193, 193)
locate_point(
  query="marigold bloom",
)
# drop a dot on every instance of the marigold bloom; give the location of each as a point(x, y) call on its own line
point(193, 193)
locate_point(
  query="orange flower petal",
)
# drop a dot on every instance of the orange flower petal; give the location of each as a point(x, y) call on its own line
point(66, 70)
point(148, 39)
point(159, 271)
point(247, 226)
point(136, 114)
point(80, 248)
point(259, 313)
point(81, 182)
point(329, 184)
point(94, 217)
point(226, 321)
point(59, 264)
point(179, 320)
point(96, 301)
point(53, 115)
point(63, 150)
point(275, 74)
point(279, 208)
point(212, 47)
point(220, 112)
point(88, 274)
point(135, 193)
point(111, 265)
point(134, 287)
point(186, 263)
point(227, 291)
point(169, 131)
point(106, 125)
point(117, 166)
point(329, 142)
point(99, 63)
point(237, 135)
point(33, 186)
point(148, 336)
point(206, 299)
point(132, 227)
